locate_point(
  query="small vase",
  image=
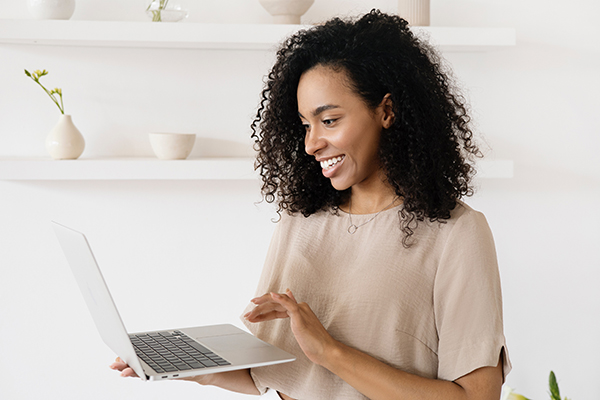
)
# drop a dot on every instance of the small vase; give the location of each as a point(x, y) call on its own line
point(65, 142)
point(286, 11)
point(158, 12)
point(416, 12)
point(51, 9)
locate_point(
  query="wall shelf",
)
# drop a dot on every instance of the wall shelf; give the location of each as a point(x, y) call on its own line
point(127, 169)
point(213, 36)
point(28, 169)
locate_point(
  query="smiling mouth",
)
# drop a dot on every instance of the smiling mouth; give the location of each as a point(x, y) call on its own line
point(327, 164)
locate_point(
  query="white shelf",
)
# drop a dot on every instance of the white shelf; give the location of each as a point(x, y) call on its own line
point(213, 36)
point(127, 169)
point(27, 169)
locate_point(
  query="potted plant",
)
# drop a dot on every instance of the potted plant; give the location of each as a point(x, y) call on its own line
point(64, 142)
point(552, 383)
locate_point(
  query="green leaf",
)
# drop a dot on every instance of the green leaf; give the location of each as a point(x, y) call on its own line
point(554, 391)
point(27, 73)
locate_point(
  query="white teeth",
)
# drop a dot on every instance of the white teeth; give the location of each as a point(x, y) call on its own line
point(331, 162)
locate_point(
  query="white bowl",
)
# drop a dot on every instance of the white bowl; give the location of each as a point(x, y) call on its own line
point(286, 11)
point(172, 146)
point(51, 9)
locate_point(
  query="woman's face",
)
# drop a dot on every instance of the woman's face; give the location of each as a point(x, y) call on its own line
point(342, 133)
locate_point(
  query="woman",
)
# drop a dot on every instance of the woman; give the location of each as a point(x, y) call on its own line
point(367, 151)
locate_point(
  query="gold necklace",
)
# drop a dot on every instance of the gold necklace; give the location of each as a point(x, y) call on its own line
point(353, 228)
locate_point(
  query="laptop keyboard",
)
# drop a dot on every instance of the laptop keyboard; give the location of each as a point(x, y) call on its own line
point(171, 351)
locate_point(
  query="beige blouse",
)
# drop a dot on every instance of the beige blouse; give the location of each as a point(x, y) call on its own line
point(433, 309)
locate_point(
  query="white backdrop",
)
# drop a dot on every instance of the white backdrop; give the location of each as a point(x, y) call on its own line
point(189, 252)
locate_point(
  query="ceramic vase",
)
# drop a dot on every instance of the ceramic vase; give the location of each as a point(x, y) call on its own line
point(416, 12)
point(65, 142)
point(51, 9)
point(286, 11)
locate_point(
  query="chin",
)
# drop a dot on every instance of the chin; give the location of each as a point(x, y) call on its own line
point(339, 186)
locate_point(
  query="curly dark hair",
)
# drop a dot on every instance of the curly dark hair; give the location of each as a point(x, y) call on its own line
point(427, 153)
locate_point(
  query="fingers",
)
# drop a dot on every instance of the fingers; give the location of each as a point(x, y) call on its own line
point(122, 366)
point(287, 301)
point(289, 293)
point(261, 299)
point(267, 297)
point(266, 317)
point(118, 364)
point(129, 373)
point(311, 335)
point(266, 312)
point(269, 307)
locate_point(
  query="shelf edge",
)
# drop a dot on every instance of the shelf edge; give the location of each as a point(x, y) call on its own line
point(24, 169)
point(215, 36)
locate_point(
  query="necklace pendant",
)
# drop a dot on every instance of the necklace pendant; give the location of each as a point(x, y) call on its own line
point(352, 229)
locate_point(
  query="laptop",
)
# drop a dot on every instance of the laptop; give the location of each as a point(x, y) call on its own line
point(169, 353)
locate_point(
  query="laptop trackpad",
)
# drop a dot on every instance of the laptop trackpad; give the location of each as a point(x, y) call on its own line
point(232, 342)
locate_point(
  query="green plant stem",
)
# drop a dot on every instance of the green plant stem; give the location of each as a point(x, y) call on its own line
point(157, 14)
point(52, 97)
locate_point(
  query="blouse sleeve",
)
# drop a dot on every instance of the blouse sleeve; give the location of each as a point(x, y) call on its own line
point(468, 301)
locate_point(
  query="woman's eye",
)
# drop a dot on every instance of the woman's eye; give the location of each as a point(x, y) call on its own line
point(328, 122)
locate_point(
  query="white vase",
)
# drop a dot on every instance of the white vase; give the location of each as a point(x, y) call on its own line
point(286, 11)
point(51, 9)
point(416, 12)
point(65, 142)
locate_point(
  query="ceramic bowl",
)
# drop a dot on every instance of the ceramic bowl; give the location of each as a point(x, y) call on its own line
point(51, 9)
point(172, 146)
point(286, 11)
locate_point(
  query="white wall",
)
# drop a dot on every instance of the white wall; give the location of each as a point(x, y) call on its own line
point(534, 103)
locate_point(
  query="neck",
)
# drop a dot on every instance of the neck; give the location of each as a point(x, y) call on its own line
point(373, 206)
point(371, 201)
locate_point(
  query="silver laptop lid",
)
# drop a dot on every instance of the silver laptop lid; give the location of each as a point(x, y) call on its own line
point(96, 294)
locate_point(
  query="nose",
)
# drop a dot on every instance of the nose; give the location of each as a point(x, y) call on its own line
point(313, 141)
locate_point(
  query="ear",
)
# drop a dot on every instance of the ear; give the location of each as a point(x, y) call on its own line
point(386, 106)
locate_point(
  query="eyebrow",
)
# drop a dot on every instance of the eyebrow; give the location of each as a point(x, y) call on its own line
point(321, 109)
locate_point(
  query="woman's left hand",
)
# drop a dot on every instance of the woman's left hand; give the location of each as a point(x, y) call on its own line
point(311, 335)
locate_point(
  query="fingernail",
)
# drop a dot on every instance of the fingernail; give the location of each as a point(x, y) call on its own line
point(247, 314)
point(276, 295)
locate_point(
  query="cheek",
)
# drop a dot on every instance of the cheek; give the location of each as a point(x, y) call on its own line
point(366, 147)
point(359, 140)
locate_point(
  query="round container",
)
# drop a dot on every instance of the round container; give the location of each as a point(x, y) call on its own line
point(51, 9)
point(172, 146)
point(65, 142)
point(286, 11)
